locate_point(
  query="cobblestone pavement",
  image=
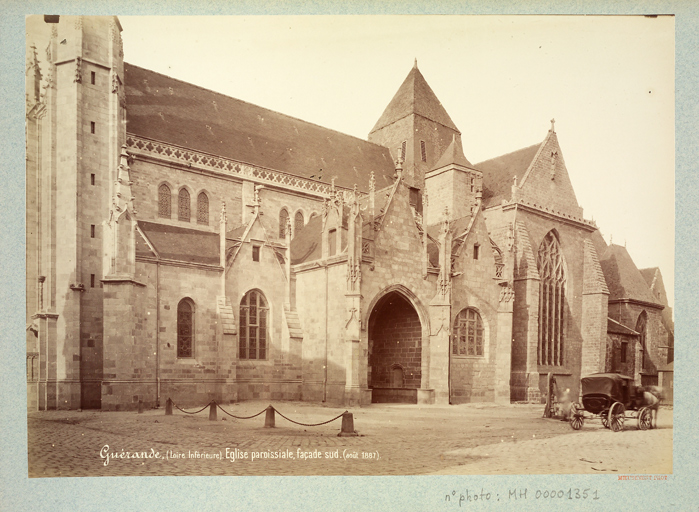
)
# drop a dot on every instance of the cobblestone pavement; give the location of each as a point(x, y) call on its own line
point(392, 440)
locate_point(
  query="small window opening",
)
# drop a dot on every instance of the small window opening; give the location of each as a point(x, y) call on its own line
point(255, 253)
point(402, 150)
point(92, 77)
point(623, 351)
point(413, 197)
point(92, 127)
point(471, 184)
point(423, 151)
point(476, 251)
point(92, 179)
point(92, 231)
point(92, 280)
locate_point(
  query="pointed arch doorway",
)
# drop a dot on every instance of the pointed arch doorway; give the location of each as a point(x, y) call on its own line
point(395, 350)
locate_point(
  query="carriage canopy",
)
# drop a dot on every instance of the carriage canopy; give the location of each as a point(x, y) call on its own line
point(610, 384)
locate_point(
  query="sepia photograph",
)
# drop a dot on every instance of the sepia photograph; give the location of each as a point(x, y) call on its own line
point(437, 247)
point(413, 278)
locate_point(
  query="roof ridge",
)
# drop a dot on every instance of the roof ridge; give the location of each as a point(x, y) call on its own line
point(507, 154)
point(255, 105)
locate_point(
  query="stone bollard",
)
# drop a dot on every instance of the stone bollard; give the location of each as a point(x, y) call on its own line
point(212, 411)
point(140, 406)
point(168, 407)
point(269, 417)
point(347, 425)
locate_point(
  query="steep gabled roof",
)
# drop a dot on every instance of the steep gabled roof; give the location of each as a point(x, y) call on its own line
point(414, 96)
point(176, 112)
point(499, 173)
point(454, 155)
point(618, 328)
point(623, 278)
point(181, 244)
point(306, 244)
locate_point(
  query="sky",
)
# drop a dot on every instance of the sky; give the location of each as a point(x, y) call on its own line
point(607, 80)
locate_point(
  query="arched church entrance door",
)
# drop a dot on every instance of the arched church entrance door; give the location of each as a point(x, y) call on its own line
point(395, 350)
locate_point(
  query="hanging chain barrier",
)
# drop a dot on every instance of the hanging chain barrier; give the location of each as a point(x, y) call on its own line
point(347, 418)
point(188, 412)
point(311, 424)
point(240, 417)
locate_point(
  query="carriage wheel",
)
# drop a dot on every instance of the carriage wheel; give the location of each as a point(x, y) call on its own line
point(616, 417)
point(645, 418)
point(576, 416)
point(604, 415)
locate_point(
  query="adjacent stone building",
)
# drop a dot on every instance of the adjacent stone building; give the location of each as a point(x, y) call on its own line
point(184, 244)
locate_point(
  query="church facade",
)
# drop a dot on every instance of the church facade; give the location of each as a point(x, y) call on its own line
point(184, 244)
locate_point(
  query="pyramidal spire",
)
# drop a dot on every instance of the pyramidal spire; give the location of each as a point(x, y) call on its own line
point(415, 97)
point(454, 154)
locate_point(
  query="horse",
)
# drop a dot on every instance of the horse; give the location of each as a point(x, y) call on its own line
point(651, 398)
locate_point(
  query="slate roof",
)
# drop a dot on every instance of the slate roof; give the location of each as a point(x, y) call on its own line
point(615, 327)
point(306, 244)
point(269, 226)
point(649, 275)
point(177, 243)
point(454, 154)
point(414, 96)
point(499, 173)
point(176, 112)
point(623, 278)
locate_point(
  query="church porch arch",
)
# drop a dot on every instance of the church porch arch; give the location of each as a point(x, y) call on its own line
point(398, 336)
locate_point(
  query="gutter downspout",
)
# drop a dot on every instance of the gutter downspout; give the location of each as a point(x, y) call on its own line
point(157, 332)
point(449, 367)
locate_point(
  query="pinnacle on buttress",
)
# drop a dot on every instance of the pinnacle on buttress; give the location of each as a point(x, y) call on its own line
point(33, 76)
point(415, 65)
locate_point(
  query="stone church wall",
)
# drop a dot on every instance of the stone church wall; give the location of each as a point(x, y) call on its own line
point(571, 240)
point(322, 310)
point(278, 376)
point(473, 377)
point(656, 334)
point(148, 176)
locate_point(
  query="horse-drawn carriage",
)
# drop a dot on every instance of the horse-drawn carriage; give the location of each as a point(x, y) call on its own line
point(613, 398)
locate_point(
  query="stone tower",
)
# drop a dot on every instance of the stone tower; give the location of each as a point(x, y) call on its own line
point(77, 129)
point(415, 127)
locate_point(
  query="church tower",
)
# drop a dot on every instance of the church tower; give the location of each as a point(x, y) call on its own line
point(76, 157)
point(415, 127)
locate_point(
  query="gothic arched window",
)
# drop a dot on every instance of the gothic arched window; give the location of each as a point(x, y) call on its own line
point(253, 326)
point(283, 220)
point(185, 328)
point(184, 212)
point(641, 329)
point(468, 334)
point(164, 198)
point(203, 209)
point(552, 285)
point(298, 222)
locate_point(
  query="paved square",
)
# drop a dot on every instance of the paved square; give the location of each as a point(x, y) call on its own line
point(392, 440)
